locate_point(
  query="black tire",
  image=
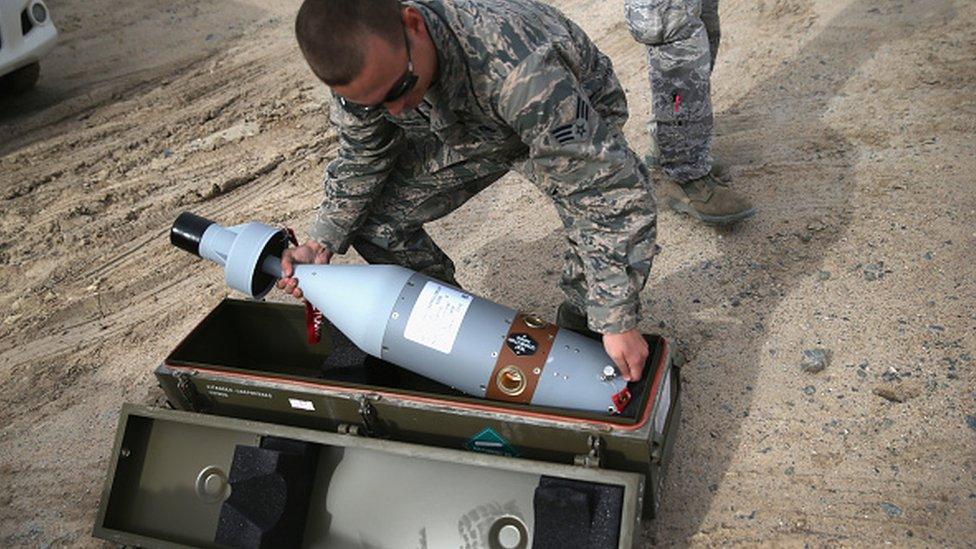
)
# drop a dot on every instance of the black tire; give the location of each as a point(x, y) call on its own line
point(21, 80)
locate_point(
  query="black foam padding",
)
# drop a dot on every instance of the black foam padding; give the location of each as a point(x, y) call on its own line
point(637, 390)
point(344, 353)
point(349, 364)
point(187, 231)
point(575, 513)
point(270, 491)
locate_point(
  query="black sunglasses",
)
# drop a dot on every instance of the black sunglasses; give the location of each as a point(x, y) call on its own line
point(402, 87)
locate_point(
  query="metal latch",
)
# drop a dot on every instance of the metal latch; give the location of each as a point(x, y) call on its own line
point(192, 397)
point(594, 458)
point(367, 413)
point(656, 453)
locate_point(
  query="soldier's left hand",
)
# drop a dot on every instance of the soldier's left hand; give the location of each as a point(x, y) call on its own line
point(629, 351)
point(310, 252)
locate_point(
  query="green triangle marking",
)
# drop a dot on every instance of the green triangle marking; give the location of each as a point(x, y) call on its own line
point(490, 442)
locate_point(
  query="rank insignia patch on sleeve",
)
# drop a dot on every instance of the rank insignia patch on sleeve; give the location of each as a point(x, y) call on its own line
point(576, 130)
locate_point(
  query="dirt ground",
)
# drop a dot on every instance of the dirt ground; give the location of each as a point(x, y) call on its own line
point(849, 123)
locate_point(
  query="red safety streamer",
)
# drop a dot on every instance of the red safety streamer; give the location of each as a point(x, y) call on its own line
point(314, 319)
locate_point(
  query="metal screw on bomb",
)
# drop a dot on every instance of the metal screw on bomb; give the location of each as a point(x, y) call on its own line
point(421, 324)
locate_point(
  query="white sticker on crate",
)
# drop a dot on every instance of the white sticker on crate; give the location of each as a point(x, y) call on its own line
point(661, 416)
point(299, 404)
point(436, 316)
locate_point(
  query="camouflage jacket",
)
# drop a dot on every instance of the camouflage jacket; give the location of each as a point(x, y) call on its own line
point(517, 82)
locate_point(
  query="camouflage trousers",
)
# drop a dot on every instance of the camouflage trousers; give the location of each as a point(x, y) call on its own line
point(682, 39)
point(414, 194)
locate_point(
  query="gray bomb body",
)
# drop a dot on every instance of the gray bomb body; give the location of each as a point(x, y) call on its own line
point(411, 320)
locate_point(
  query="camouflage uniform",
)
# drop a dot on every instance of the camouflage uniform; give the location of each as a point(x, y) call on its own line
point(682, 38)
point(518, 86)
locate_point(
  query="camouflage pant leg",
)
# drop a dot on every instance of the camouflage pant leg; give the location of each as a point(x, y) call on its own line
point(713, 27)
point(393, 231)
point(679, 66)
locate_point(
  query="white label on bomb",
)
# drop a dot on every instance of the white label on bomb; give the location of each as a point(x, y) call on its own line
point(436, 317)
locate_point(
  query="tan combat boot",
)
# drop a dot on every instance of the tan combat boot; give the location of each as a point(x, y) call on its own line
point(707, 199)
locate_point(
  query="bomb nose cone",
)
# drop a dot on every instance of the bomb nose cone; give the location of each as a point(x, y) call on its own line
point(187, 232)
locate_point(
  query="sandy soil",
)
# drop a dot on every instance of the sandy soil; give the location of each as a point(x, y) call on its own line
point(850, 124)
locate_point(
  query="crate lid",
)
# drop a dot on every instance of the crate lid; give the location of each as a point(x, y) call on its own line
point(180, 478)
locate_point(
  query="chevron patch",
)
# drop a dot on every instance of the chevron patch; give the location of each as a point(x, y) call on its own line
point(576, 130)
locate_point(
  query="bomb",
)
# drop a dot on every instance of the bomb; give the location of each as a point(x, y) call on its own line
point(474, 345)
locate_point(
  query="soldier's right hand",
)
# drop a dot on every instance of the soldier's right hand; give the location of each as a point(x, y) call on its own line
point(309, 252)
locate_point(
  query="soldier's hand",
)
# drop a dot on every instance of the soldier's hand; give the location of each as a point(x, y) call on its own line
point(629, 351)
point(310, 252)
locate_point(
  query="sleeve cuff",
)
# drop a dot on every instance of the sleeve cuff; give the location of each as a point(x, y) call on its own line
point(613, 319)
point(330, 235)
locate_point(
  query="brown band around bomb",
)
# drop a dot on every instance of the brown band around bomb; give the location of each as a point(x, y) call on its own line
point(521, 359)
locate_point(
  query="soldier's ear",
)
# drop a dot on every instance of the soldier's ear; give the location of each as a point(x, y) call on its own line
point(412, 20)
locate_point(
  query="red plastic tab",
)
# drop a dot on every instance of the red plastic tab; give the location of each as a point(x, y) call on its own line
point(621, 399)
point(313, 323)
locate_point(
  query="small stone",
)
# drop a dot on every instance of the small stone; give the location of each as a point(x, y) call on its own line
point(892, 509)
point(816, 225)
point(874, 271)
point(971, 421)
point(809, 390)
point(789, 471)
point(167, 153)
point(928, 256)
point(936, 328)
point(815, 360)
point(823, 275)
point(891, 375)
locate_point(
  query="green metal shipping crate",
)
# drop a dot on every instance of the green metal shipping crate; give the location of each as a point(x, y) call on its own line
point(251, 360)
point(179, 479)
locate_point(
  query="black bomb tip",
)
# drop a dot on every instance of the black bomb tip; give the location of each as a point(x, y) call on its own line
point(187, 232)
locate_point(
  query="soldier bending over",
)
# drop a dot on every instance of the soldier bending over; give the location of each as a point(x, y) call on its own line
point(435, 100)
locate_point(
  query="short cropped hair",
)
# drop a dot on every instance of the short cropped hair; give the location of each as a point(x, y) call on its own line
point(330, 34)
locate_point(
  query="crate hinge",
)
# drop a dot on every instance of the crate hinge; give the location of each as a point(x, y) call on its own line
point(593, 458)
point(188, 391)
